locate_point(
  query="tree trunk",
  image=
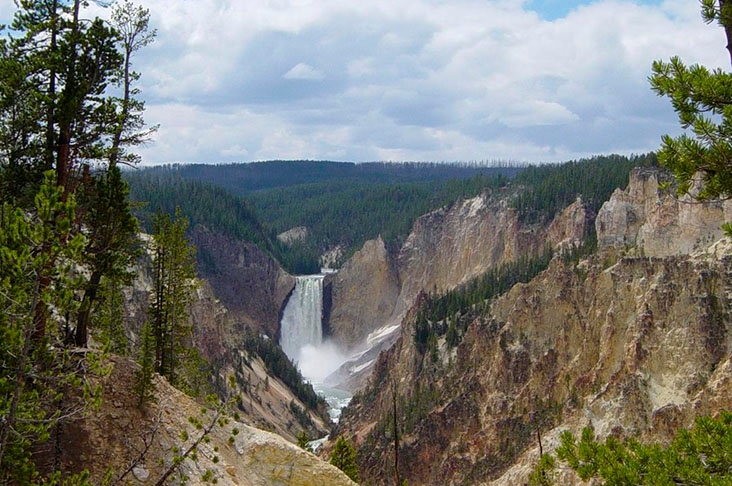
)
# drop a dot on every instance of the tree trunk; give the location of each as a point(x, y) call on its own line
point(90, 296)
point(725, 18)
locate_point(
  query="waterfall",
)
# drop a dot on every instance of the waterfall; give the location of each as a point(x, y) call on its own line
point(301, 331)
point(302, 319)
point(301, 338)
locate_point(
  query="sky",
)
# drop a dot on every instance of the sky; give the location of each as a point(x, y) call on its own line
point(411, 80)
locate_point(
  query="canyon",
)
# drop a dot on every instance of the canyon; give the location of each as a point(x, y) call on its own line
point(632, 339)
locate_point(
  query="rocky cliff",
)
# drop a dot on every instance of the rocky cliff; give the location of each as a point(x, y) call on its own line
point(363, 293)
point(251, 285)
point(445, 248)
point(136, 446)
point(649, 219)
point(634, 345)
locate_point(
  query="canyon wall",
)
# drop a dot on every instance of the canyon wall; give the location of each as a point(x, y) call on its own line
point(445, 248)
point(251, 284)
point(634, 345)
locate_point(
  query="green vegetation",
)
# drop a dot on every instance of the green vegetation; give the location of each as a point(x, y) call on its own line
point(303, 441)
point(548, 189)
point(344, 204)
point(348, 212)
point(243, 179)
point(201, 203)
point(33, 372)
point(368, 201)
point(66, 230)
point(702, 100)
point(344, 457)
point(166, 339)
point(698, 456)
point(68, 238)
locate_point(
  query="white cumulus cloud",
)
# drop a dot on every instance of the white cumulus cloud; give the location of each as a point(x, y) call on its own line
point(236, 80)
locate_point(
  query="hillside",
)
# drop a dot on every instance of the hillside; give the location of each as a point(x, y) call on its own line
point(137, 446)
point(343, 205)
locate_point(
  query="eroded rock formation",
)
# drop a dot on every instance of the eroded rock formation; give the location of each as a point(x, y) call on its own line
point(634, 345)
point(446, 247)
point(248, 281)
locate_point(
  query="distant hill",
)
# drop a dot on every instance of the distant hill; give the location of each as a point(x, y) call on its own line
point(243, 179)
point(344, 204)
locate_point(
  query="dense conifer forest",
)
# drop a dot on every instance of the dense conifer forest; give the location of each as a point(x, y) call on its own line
point(344, 204)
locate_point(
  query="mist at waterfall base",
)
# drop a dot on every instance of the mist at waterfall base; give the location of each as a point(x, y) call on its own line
point(301, 338)
point(317, 362)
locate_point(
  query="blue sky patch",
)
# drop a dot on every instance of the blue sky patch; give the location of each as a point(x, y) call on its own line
point(557, 9)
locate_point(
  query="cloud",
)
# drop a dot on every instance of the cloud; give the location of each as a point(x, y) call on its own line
point(305, 72)
point(235, 80)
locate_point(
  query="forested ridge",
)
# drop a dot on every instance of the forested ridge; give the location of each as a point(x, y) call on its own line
point(344, 204)
point(338, 206)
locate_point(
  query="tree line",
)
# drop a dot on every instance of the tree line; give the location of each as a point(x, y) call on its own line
point(342, 205)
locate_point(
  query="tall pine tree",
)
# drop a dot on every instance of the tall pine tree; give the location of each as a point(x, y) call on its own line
point(174, 285)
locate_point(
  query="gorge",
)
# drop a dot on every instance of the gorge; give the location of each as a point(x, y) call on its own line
point(593, 337)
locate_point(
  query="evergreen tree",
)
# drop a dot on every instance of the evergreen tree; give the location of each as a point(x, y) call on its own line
point(110, 315)
point(344, 457)
point(57, 113)
point(703, 101)
point(32, 368)
point(174, 284)
point(112, 242)
point(144, 384)
point(697, 456)
point(132, 24)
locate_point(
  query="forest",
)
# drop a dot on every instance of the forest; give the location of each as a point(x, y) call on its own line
point(343, 205)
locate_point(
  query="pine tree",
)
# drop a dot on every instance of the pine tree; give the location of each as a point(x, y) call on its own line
point(174, 284)
point(33, 369)
point(344, 457)
point(144, 384)
point(696, 456)
point(703, 101)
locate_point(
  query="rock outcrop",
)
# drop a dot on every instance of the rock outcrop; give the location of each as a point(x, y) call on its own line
point(650, 219)
point(119, 436)
point(364, 293)
point(292, 235)
point(248, 281)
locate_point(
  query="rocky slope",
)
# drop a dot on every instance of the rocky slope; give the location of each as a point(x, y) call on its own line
point(363, 294)
point(635, 345)
point(251, 285)
point(119, 437)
